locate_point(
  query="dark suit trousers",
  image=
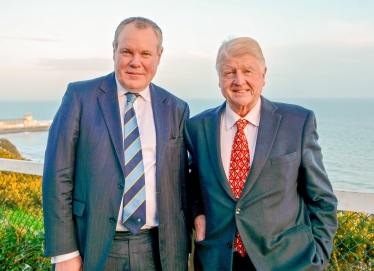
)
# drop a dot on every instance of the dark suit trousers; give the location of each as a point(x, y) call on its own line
point(240, 263)
point(134, 252)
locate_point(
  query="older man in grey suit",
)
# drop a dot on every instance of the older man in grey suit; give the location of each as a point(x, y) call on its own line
point(259, 193)
point(115, 164)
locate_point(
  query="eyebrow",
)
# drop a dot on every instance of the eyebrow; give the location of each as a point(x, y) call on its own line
point(124, 48)
point(248, 66)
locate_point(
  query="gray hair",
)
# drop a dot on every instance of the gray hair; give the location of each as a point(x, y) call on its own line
point(239, 47)
point(140, 23)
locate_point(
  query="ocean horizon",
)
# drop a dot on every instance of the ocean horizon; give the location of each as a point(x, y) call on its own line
point(345, 128)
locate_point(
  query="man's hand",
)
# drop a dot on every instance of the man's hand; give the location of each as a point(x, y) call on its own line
point(74, 264)
point(200, 227)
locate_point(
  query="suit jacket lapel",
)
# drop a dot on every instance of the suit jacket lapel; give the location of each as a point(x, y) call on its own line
point(267, 131)
point(108, 101)
point(161, 116)
point(213, 138)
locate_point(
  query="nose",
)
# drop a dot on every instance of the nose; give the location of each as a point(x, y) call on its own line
point(135, 61)
point(239, 78)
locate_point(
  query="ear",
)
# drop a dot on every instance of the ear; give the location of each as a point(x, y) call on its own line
point(219, 79)
point(159, 54)
point(114, 51)
point(264, 75)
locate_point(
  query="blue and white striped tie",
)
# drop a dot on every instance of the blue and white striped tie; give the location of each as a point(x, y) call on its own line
point(134, 206)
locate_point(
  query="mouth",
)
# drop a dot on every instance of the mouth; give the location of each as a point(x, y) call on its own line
point(240, 90)
point(134, 73)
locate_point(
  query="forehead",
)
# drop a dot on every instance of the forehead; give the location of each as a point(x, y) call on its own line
point(238, 62)
point(130, 35)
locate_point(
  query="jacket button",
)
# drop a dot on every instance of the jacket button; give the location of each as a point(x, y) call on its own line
point(120, 186)
point(229, 245)
point(237, 211)
point(113, 220)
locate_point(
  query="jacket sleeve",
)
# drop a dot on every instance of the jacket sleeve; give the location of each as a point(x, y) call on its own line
point(194, 199)
point(58, 177)
point(185, 116)
point(317, 192)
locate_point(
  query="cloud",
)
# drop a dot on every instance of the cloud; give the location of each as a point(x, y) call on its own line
point(77, 64)
point(32, 39)
point(347, 34)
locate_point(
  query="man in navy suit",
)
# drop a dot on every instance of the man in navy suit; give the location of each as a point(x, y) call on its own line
point(85, 173)
point(260, 197)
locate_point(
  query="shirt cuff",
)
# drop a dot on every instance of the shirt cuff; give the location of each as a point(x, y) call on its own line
point(65, 257)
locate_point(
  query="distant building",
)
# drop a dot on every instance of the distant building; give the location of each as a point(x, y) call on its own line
point(26, 124)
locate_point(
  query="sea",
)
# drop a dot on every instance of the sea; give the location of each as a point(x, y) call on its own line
point(345, 128)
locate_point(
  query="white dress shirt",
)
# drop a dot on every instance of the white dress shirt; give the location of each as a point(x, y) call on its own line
point(144, 115)
point(228, 131)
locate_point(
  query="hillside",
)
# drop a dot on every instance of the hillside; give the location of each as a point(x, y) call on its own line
point(8, 150)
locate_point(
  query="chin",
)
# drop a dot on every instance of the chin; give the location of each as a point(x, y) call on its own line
point(133, 85)
point(243, 102)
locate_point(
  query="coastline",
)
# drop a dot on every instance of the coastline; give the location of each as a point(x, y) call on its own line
point(24, 124)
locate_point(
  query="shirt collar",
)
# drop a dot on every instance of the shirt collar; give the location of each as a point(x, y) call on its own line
point(145, 93)
point(253, 116)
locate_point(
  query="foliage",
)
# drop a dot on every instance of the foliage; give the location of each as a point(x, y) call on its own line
point(19, 190)
point(353, 242)
point(21, 222)
point(8, 155)
point(21, 249)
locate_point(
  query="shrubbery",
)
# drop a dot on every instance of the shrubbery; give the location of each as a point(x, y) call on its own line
point(353, 242)
point(21, 248)
point(21, 221)
point(19, 190)
point(8, 155)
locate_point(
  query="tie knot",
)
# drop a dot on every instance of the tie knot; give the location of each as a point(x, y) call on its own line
point(131, 97)
point(241, 124)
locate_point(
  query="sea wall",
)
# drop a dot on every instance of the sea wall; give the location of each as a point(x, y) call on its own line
point(36, 128)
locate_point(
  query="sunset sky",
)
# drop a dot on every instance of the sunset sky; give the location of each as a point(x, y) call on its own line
point(312, 48)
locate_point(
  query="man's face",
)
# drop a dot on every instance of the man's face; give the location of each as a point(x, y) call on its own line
point(136, 57)
point(241, 80)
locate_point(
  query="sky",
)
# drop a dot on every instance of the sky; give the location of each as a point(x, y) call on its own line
point(312, 48)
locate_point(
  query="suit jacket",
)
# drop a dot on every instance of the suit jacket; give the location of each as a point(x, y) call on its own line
point(83, 175)
point(286, 215)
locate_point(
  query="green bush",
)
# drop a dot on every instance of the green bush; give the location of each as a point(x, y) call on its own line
point(21, 221)
point(353, 243)
point(21, 249)
point(21, 191)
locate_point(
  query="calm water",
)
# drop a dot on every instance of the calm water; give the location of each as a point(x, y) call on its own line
point(346, 129)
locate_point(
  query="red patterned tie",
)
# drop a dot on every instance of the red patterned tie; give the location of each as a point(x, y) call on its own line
point(239, 170)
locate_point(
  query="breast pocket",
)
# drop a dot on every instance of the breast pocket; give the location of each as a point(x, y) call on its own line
point(284, 159)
